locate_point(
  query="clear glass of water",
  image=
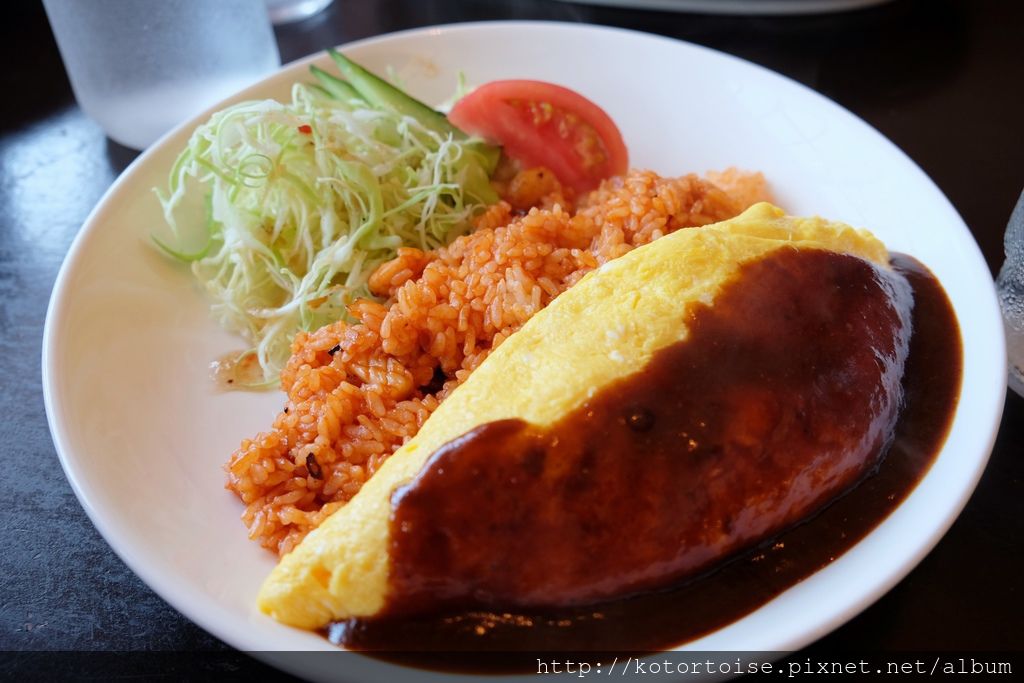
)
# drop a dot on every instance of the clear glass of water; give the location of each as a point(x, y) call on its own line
point(140, 67)
point(1010, 285)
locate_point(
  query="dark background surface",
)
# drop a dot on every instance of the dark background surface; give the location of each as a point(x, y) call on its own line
point(943, 79)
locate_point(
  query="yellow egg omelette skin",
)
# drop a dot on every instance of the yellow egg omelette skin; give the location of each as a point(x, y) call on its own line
point(605, 327)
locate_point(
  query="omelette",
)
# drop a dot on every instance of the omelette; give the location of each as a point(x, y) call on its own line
point(556, 475)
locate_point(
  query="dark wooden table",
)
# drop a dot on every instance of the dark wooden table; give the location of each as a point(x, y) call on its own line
point(943, 79)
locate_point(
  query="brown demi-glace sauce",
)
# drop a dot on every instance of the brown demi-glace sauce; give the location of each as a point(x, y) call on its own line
point(543, 520)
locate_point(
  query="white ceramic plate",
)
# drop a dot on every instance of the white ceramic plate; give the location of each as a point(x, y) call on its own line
point(142, 433)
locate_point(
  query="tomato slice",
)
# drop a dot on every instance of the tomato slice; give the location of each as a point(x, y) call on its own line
point(542, 124)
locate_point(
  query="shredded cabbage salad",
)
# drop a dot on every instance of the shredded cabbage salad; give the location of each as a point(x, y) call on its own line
point(284, 210)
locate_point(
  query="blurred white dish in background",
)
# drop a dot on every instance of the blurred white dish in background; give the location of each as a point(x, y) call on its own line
point(739, 6)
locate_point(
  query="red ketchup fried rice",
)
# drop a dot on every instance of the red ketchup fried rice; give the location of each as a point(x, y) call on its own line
point(356, 392)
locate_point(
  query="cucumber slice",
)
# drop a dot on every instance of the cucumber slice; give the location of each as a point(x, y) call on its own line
point(380, 93)
point(338, 89)
point(321, 91)
point(489, 155)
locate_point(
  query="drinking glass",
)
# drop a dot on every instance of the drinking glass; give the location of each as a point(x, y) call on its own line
point(287, 11)
point(139, 68)
point(1010, 286)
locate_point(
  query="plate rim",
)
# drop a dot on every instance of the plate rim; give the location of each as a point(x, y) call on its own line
point(175, 591)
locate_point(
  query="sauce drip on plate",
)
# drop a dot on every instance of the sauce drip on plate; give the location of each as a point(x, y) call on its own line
point(237, 370)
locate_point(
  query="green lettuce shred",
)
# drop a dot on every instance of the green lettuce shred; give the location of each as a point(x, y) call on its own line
point(283, 210)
